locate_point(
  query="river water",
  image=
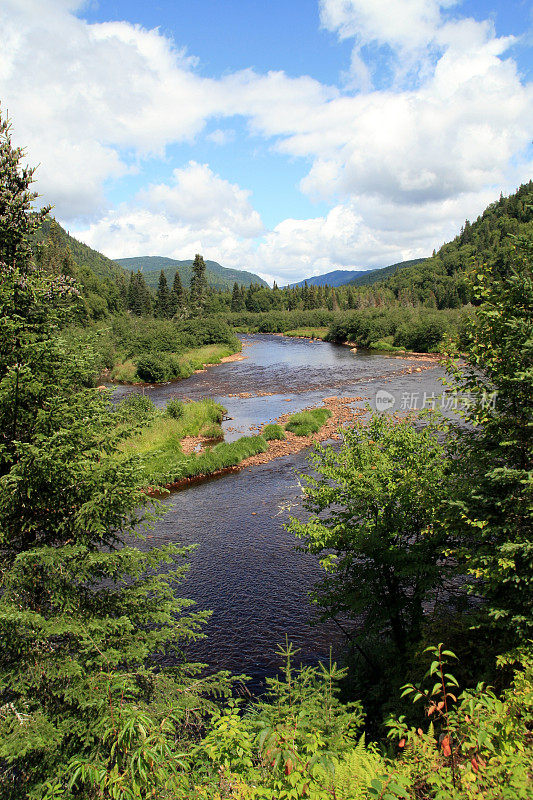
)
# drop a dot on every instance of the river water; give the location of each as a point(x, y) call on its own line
point(246, 568)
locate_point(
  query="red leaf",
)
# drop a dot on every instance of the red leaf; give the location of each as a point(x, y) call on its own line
point(445, 744)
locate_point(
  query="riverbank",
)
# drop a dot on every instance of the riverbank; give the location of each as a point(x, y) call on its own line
point(198, 359)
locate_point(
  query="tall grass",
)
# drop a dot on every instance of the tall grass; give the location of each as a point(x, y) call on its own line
point(304, 423)
point(273, 431)
point(153, 367)
point(308, 333)
point(220, 456)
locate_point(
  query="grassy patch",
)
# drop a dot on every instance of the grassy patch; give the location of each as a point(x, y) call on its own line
point(159, 443)
point(124, 371)
point(273, 432)
point(211, 460)
point(304, 423)
point(385, 345)
point(308, 333)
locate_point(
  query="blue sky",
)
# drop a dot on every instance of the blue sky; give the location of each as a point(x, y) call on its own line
point(285, 138)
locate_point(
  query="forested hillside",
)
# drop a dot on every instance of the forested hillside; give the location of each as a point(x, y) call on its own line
point(82, 254)
point(374, 275)
point(218, 277)
point(336, 278)
point(443, 279)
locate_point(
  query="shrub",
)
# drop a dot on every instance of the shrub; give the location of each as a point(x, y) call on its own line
point(421, 335)
point(304, 423)
point(273, 432)
point(174, 408)
point(152, 368)
point(136, 407)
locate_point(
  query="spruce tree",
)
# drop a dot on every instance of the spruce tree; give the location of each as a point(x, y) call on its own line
point(177, 295)
point(236, 299)
point(162, 306)
point(139, 299)
point(198, 282)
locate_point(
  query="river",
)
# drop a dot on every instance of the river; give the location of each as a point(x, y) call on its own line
point(246, 568)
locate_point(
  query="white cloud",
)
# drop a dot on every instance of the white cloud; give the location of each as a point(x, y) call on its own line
point(220, 136)
point(198, 212)
point(401, 167)
point(200, 198)
point(404, 24)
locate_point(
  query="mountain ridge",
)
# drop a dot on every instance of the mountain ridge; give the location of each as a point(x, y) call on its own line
point(218, 277)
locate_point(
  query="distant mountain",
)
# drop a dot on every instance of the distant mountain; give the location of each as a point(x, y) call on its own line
point(355, 277)
point(218, 277)
point(84, 256)
point(374, 275)
point(336, 278)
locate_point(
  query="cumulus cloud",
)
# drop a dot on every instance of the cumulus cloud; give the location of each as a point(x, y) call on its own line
point(197, 212)
point(400, 166)
point(198, 197)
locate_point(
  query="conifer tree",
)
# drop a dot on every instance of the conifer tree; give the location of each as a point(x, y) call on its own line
point(139, 300)
point(177, 295)
point(198, 282)
point(162, 299)
point(236, 298)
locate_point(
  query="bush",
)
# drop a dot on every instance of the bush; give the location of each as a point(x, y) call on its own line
point(273, 432)
point(304, 423)
point(152, 368)
point(421, 336)
point(136, 407)
point(174, 408)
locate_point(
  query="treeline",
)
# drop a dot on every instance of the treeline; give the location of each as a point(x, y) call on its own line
point(440, 282)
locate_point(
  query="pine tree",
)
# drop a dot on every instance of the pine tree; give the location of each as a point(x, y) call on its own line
point(177, 295)
point(162, 299)
point(236, 298)
point(198, 282)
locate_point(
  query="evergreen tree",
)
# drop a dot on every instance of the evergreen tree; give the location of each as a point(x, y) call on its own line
point(350, 300)
point(162, 299)
point(177, 295)
point(198, 282)
point(236, 298)
point(492, 504)
point(139, 299)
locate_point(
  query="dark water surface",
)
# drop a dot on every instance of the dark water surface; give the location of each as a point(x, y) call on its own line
point(246, 568)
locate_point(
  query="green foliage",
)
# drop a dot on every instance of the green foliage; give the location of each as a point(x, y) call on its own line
point(375, 506)
point(419, 330)
point(136, 408)
point(212, 431)
point(476, 744)
point(273, 431)
point(305, 423)
point(218, 277)
point(490, 515)
point(198, 291)
point(82, 610)
point(174, 408)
